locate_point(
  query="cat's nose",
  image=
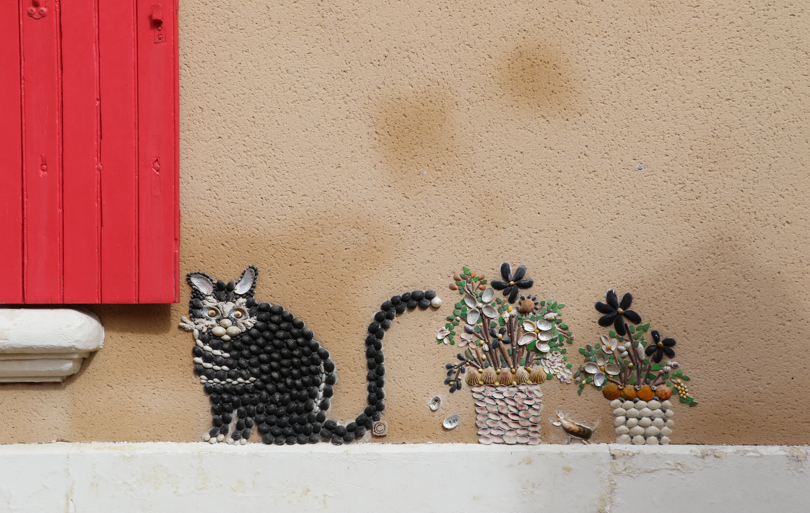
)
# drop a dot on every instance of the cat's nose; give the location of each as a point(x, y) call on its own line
point(225, 323)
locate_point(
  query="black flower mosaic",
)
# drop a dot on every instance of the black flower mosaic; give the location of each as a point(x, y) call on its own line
point(263, 368)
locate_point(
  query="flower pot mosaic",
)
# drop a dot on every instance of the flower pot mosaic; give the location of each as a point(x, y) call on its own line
point(631, 372)
point(509, 346)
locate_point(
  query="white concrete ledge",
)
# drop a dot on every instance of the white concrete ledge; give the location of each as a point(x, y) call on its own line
point(46, 344)
point(408, 478)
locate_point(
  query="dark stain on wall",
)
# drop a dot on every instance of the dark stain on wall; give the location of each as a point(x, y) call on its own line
point(415, 132)
point(537, 76)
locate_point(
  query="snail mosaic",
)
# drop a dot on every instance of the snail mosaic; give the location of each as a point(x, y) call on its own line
point(508, 415)
point(574, 430)
point(510, 345)
point(631, 372)
point(263, 368)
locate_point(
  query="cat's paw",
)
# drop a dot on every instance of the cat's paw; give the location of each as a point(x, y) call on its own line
point(187, 324)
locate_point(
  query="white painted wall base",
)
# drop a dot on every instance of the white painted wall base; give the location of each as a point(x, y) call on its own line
point(46, 344)
point(199, 477)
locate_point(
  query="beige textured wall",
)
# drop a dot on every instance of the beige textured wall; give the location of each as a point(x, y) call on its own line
point(353, 150)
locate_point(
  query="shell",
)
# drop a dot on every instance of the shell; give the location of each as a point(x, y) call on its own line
point(469, 301)
point(652, 431)
point(523, 439)
point(611, 391)
point(538, 375)
point(665, 440)
point(599, 379)
point(545, 336)
point(622, 430)
point(652, 441)
point(632, 412)
point(644, 422)
point(506, 377)
point(645, 412)
point(619, 412)
point(473, 316)
point(489, 312)
point(653, 405)
point(646, 393)
point(436, 402)
point(641, 404)
point(451, 421)
point(632, 423)
point(663, 393)
point(473, 377)
point(484, 431)
point(615, 403)
point(591, 368)
point(487, 295)
point(497, 431)
point(486, 440)
point(623, 439)
point(522, 376)
point(619, 421)
point(489, 376)
point(526, 306)
point(612, 369)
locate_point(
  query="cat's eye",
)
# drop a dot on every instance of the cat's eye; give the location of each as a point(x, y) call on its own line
point(212, 313)
point(238, 314)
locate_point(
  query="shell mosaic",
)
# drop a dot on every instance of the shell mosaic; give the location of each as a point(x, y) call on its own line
point(642, 422)
point(263, 368)
point(508, 414)
point(630, 369)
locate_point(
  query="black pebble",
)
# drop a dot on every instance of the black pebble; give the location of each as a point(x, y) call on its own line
point(424, 303)
point(330, 379)
point(320, 417)
point(279, 440)
point(418, 295)
point(430, 294)
point(351, 426)
point(386, 305)
point(268, 439)
point(401, 308)
point(327, 391)
point(374, 327)
point(381, 370)
point(302, 438)
point(326, 434)
point(314, 438)
point(360, 431)
point(377, 416)
point(385, 324)
point(330, 424)
point(328, 366)
point(340, 430)
point(369, 411)
point(337, 440)
point(412, 304)
point(379, 317)
point(395, 300)
point(348, 437)
point(406, 297)
point(380, 406)
point(325, 404)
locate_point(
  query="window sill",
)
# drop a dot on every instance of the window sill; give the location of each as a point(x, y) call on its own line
point(46, 344)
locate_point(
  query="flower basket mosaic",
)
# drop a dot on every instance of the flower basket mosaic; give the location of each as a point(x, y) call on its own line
point(509, 346)
point(631, 372)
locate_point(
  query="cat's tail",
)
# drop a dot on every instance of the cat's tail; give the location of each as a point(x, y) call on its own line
point(389, 310)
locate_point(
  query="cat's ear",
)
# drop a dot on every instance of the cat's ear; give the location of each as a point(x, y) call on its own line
point(247, 282)
point(201, 283)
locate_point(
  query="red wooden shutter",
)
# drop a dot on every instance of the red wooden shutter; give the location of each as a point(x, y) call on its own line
point(89, 196)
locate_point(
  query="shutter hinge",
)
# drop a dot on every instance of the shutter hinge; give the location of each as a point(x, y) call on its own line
point(157, 23)
point(37, 9)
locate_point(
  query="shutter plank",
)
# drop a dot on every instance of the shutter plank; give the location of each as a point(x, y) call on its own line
point(11, 250)
point(80, 123)
point(157, 160)
point(119, 152)
point(42, 169)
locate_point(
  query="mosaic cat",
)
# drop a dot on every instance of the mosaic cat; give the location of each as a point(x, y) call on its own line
point(261, 366)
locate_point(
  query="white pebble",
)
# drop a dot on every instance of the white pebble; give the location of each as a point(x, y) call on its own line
point(669, 413)
point(632, 413)
point(207, 348)
point(231, 441)
point(242, 441)
point(659, 423)
point(645, 412)
point(212, 441)
point(619, 421)
point(196, 333)
point(653, 405)
point(670, 423)
point(652, 441)
point(644, 422)
point(198, 360)
point(641, 404)
point(233, 331)
point(220, 437)
point(632, 423)
point(628, 404)
point(622, 430)
point(218, 331)
point(666, 404)
point(436, 302)
point(618, 412)
point(616, 403)
point(666, 431)
point(638, 430)
point(623, 439)
point(664, 440)
point(199, 343)
point(652, 431)
point(639, 440)
point(206, 437)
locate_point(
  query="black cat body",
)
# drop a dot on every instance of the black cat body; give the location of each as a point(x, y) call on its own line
point(262, 367)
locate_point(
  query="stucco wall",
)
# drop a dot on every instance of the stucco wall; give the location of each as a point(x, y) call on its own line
point(353, 150)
